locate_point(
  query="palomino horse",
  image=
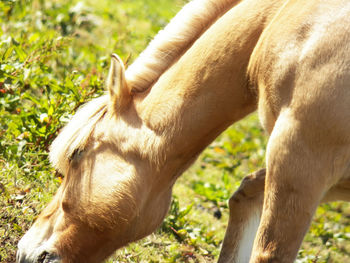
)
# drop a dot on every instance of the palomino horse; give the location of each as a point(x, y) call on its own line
point(216, 62)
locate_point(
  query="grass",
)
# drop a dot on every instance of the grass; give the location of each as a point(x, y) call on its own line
point(54, 56)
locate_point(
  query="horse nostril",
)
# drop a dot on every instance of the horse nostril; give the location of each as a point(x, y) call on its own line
point(42, 257)
point(47, 257)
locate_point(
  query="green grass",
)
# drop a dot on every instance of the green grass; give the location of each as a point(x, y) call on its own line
point(54, 56)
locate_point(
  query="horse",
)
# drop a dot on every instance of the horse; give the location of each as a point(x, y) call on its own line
point(216, 62)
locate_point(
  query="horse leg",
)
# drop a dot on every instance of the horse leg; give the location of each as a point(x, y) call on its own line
point(299, 170)
point(245, 211)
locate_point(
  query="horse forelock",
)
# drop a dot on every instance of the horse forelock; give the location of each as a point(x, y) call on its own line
point(172, 42)
point(76, 134)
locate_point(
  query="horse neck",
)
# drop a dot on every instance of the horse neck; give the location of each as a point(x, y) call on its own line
point(207, 89)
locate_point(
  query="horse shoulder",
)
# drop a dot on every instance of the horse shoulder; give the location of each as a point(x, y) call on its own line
point(302, 51)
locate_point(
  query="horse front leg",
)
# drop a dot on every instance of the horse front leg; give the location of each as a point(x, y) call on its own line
point(245, 211)
point(299, 170)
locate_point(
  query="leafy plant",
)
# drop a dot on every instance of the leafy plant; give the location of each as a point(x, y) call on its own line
point(176, 223)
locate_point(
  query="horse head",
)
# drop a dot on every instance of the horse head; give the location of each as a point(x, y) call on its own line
point(109, 196)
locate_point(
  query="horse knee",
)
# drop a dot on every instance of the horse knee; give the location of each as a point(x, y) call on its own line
point(245, 210)
point(251, 186)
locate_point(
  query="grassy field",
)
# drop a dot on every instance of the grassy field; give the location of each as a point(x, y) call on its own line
point(54, 56)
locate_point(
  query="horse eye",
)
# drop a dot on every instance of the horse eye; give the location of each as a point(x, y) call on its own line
point(77, 155)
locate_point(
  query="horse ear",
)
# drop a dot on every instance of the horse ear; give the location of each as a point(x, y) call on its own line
point(120, 94)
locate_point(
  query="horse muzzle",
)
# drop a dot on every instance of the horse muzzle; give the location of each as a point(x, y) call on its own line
point(37, 257)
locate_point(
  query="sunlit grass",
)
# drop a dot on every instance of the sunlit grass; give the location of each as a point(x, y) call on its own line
point(54, 56)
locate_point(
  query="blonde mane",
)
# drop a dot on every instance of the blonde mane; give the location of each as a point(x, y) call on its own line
point(176, 38)
point(168, 45)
